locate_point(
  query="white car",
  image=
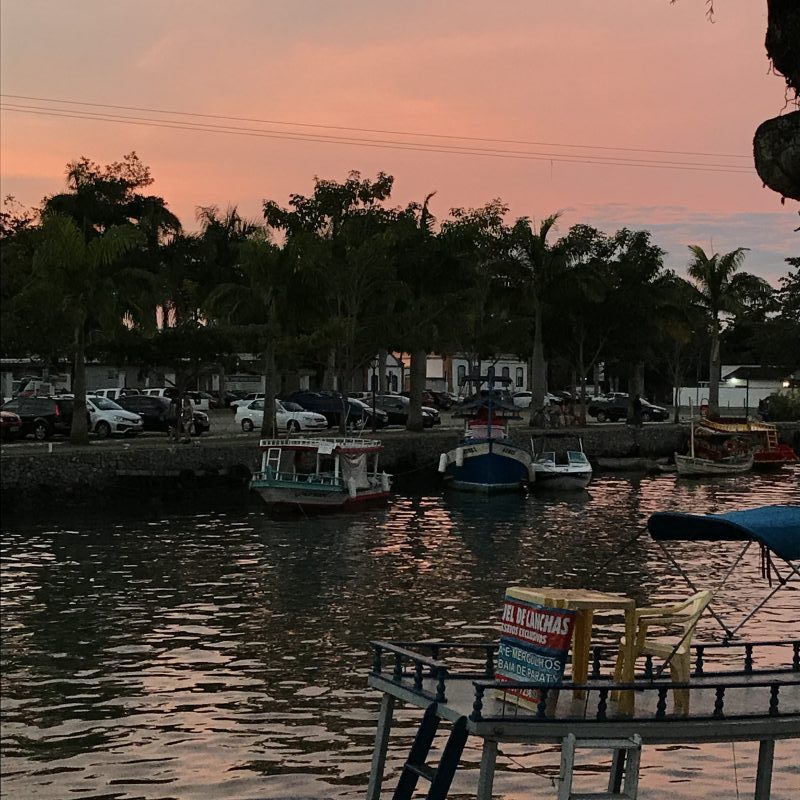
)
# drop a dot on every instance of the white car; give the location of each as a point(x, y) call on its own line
point(522, 399)
point(247, 400)
point(290, 417)
point(112, 394)
point(106, 417)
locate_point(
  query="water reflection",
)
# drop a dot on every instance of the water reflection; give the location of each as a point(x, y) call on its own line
point(224, 654)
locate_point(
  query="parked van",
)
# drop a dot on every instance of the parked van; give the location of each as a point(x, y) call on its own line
point(113, 394)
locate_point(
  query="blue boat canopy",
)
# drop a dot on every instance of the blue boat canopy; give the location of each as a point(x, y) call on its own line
point(775, 527)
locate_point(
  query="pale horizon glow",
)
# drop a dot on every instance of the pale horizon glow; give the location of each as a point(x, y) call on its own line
point(641, 76)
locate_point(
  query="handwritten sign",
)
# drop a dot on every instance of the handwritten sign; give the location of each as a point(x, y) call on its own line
point(534, 644)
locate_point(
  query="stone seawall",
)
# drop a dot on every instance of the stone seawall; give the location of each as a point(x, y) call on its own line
point(155, 466)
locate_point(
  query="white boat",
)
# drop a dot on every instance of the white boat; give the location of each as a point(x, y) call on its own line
point(320, 473)
point(570, 470)
point(693, 465)
point(720, 454)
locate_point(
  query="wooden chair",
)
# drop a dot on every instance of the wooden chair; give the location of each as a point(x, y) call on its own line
point(676, 649)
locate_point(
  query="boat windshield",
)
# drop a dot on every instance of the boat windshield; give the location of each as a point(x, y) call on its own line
point(576, 457)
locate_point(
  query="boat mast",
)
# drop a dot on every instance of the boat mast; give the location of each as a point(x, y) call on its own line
point(490, 407)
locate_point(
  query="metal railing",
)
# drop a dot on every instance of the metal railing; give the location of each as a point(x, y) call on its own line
point(411, 661)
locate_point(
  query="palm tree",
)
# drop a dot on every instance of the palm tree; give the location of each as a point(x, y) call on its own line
point(541, 265)
point(254, 305)
point(718, 292)
point(80, 283)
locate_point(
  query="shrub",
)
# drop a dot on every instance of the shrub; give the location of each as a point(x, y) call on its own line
point(785, 406)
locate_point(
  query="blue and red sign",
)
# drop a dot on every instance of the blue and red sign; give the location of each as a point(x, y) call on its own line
point(534, 645)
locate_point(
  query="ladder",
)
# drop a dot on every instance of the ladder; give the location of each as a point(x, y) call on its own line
point(273, 460)
point(772, 437)
point(415, 767)
point(627, 755)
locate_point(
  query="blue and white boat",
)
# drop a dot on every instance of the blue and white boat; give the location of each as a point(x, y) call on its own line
point(486, 460)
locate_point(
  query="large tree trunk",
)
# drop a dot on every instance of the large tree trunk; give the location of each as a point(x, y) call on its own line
point(79, 433)
point(418, 374)
point(713, 371)
point(677, 380)
point(582, 373)
point(268, 424)
point(330, 371)
point(223, 389)
point(538, 368)
point(634, 416)
point(382, 387)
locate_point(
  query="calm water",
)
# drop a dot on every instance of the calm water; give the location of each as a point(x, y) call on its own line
point(224, 654)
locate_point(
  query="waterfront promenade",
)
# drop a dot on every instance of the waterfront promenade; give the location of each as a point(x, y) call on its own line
point(152, 463)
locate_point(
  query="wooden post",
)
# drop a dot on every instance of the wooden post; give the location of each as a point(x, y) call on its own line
point(766, 753)
point(486, 776)
point(381, 746)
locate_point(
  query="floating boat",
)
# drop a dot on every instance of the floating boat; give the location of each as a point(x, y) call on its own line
point(714, 453)
point(690, 466)
point(568, 471)
point(633, 464)
point(320, 473)
point(769, 453)
point(486, 460)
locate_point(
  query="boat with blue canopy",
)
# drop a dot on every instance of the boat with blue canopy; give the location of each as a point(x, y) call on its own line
point(774, 529)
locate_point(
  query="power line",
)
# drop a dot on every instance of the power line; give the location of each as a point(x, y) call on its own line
point(373, 130)
point(378, 144)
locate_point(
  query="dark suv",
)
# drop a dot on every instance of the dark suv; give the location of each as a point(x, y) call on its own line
point(614, 407)
point(158, 413)
point(396, 406)
point(43, 416)
point(331, 405)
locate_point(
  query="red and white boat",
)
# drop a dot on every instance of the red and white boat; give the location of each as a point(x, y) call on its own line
point(321, 473)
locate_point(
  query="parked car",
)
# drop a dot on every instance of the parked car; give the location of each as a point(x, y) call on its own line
point(427, 397)
point(200, 400)
point(522, 398)
point(112, 394)
point(248, 398)
point(43, 417)
point(444, 400)
point(10, 425)
point(159, 413)
point(614, 407)
point(231, 396)
point(107, 417)
point(396, 407)
point(330, 404)
point(361, 413)
point(289, 417)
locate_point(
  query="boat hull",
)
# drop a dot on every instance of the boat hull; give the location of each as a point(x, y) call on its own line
point(561, 479)
point(310, 498)
point(689, 466)
point(488, 467)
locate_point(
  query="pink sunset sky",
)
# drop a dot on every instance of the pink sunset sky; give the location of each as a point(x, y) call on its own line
point(564, 80)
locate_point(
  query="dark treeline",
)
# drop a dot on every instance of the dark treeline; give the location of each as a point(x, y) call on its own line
point(105, 271)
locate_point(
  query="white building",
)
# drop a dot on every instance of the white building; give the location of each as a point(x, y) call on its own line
point(741, 386)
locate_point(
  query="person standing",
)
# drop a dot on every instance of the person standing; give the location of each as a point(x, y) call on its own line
point(186, 420)
point(637, 410)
